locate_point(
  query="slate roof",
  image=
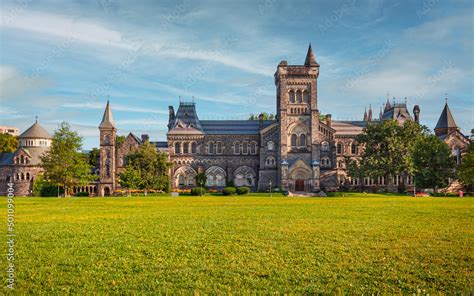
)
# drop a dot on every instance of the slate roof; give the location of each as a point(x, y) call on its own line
point(233, 127)
point(36, 131)
point(33, 152)
point(446, 120)
point(310, 59)
point(186, 116)
point(350, 128)
point(398, 110)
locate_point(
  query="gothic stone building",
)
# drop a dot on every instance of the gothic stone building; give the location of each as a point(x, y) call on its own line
point(296, 152)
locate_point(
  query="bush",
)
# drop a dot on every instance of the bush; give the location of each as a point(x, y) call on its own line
point(198, 191)
point(242, 190)
point(43, 188)
point(82, 194)
point(228, 191)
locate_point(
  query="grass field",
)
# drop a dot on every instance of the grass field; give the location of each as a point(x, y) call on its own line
point(243, 244)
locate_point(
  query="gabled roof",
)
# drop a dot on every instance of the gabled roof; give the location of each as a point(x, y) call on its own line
point(446, 119)
point(36, 131)
point(107, 119)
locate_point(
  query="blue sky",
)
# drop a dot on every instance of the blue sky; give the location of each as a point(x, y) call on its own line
point(61, 59)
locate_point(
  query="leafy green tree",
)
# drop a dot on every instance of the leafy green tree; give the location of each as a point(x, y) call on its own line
point(63, 163)
point(8, 143)
point(433, 163)
point(42, 187)
point(130, 178)
point(355, 169)
point(93, 157)
point(466, 169)
point(266, 116)
point(151, 166)
point(201, 180)
point(388, 149)
point(119, 140)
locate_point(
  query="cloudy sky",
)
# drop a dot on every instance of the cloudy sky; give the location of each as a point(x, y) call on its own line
point(61, 59)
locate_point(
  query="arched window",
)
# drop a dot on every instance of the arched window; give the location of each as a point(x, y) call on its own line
point(306, 96)
point(340, 164)
point(177, 148)
point(22, 176)
point(27, 176)
point(236, 148)
point(302, 140)
point(210, 180)
point(190, 180)
point(294, 140)
point(245, 148)
point(270, 146)
point(185, 148)
point(270, 161)
point(193, 147)
point(325, 162)
point(299, 97)
point(210, 147)
point(325, 146)
point(354, 148)
point(18, 176)
point(22, 159)
point(339, 148)
point(457, 155)
point(219, 147)
point(181, 180)
point(106, 139)
point(292, 96)
point(253, 148)
point(220, 180)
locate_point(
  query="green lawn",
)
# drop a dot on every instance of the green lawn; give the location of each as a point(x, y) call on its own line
point(357, 244)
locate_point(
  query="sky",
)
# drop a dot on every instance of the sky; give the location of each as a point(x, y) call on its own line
point(61, 60)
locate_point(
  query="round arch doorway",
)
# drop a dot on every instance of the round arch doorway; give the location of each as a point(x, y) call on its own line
point(106, 191)
point(299, 185)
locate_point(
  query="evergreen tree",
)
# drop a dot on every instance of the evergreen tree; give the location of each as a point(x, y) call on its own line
point(433, 163)
point(63, 163)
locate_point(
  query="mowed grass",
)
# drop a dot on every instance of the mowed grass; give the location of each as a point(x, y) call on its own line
point(358, 244)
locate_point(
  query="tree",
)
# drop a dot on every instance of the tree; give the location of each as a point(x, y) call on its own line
point(8, 143)
point(151, 166)
point(119, 140)
point(388, 149)
point(63, 163)
point(201, 180)
point(433, 162)
point(93, 156)
point(130, 178)
point(265, 116)
point(466, 169)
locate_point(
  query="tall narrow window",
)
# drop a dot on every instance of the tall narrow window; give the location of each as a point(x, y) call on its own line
point(236, 148)
point(353, 148)
point(177, 148)
point(325, 146)
point(339, 148)
point(306, 96)
point(193, 147)
point(186, 148)
point(299, 97)
point(253, 148)
point(211, 147)
point(245, 148)
point(292, 96)
point(219, 148)
point(302, 140)
point(294, 140)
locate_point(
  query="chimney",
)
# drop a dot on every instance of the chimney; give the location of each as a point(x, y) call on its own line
point(171, 116)
point(260, 119)
point(145, 138)
point(416, 113)
point(328, 119)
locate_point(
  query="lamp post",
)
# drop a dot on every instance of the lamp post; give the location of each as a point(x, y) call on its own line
point(270, 188)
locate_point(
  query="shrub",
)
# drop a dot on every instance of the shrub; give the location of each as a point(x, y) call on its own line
point(198, 191)
point(242, 190)
point(82, 194)
point(228, 191)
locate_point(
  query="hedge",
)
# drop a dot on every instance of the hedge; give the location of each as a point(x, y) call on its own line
point(242, 190)
point(198, 191)
point(229, 191)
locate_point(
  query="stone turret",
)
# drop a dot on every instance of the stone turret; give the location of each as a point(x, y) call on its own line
point(108, 135)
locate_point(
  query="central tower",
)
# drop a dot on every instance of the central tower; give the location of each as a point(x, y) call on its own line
point(298, 119)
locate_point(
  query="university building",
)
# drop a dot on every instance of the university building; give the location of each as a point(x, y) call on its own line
point(299, 151)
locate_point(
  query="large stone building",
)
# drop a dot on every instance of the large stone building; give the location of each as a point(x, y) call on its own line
point(298, 151)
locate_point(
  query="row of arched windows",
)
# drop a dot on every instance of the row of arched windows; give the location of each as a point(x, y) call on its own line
point(244, 148)
point(215, 147)
point(298, 141)
point(185, 148)
point(381, 181)
point(299, 96)
point(299, 110)
point(22, 160)
point(270, 161)
point(22, 176)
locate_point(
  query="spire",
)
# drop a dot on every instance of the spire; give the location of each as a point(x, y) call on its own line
point(310, 59)
point(446, 120)
point(107, 119)
point(387, 104)
point(370, 113)
point(380, 114)
point(365, 114)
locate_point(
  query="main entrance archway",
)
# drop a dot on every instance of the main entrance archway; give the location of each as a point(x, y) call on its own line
point(106, 191)
point(299, 185)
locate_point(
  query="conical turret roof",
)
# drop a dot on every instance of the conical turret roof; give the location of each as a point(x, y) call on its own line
point(107, 119)
point(36, 131)
point(310, 59)
point(446, 120)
